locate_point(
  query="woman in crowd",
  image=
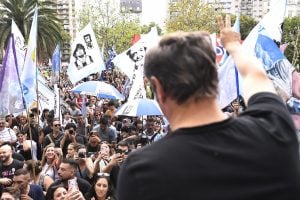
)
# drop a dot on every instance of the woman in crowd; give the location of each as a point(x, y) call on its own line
point(59, 192)
point(10, 193)
point(71, 151)
point(50, 161)
point(37, 178)
point(103, 158)
point(102, 188)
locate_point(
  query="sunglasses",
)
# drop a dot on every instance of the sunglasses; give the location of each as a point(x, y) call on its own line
point(56, 125)
point(103, 174)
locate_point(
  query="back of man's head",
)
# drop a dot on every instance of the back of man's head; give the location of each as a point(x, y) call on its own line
point(185, 65)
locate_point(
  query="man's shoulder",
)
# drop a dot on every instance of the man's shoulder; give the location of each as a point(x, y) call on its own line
point(83, 181)
point(17, 163)
point(35, 188)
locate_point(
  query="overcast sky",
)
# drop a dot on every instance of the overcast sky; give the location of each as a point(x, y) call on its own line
point(154, 10)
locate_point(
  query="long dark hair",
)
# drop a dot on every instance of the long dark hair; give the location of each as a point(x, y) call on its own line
point(110, 191)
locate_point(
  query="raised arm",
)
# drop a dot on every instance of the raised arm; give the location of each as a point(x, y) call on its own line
point(254, 77)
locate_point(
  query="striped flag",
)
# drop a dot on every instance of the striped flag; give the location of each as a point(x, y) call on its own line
point(29, 73)
point(10, 88)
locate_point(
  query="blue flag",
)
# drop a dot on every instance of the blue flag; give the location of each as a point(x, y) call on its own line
point(56, 64)
point(271, 24)
point(111, 55)
point(10, 87)
point(29, 73)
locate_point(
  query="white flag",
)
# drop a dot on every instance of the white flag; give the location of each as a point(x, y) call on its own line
point(19, 44)
point(46, 95)
point(86, 57)
point(132, 59)
point(137, 90)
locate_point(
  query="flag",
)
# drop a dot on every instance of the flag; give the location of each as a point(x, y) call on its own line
point(46, 95)
point(271, 26)
point(133, 58)
point(19, 44)
point(137, 90)
point(83, 107)
point(29, 73)
point(56, 101)
point(86, 57)
point(10, 88)
point(136, 37)
point(56, 64)
point(278, 68)
point(111, 55)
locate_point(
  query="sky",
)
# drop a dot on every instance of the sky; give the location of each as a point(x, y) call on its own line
point(154, 10)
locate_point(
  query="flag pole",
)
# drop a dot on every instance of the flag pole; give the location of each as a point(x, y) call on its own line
point(37, 96)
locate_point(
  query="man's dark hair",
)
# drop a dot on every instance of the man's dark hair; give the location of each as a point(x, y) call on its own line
point(185, 65)
point(104, 120)
point(70, 125)
point(71, 162)
point(21, 171)
point(123, 143)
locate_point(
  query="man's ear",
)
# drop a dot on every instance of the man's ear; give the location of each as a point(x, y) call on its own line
point(157, 89)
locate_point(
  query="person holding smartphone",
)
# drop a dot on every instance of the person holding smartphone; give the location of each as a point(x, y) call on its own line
point(67, 171)
point(71, 136)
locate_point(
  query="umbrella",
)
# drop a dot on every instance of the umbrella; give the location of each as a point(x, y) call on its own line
point(99, 89)
point(139, 107)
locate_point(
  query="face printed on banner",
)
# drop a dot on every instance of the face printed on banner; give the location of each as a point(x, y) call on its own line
point(137, 54)
point(81, 58)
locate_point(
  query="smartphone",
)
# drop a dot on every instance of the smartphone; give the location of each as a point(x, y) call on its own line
point(72, 184)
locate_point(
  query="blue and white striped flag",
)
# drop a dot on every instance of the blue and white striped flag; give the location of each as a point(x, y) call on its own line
point(29, 73)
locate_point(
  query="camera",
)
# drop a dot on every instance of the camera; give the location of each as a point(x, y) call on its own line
point(82, 155)
point(20, 147)
point(71, 132)
point(119, 151)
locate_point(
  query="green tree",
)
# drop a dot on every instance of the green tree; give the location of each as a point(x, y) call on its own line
point(191, 15)
point(50, 30)
point(247, 23)
point(291, 36)
point(111, 27)
point(147, 28)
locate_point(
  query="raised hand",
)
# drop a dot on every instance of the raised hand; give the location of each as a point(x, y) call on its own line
point(229, 38)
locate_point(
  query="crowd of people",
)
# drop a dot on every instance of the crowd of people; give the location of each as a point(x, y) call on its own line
point(211, 154)
point(40, 154)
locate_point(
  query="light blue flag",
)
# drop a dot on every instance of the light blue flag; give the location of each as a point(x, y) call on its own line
point(271, 24)
point(10, 87)
point(56, 64)
point(29, 73)
point(83, 107)
point(278, 68)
